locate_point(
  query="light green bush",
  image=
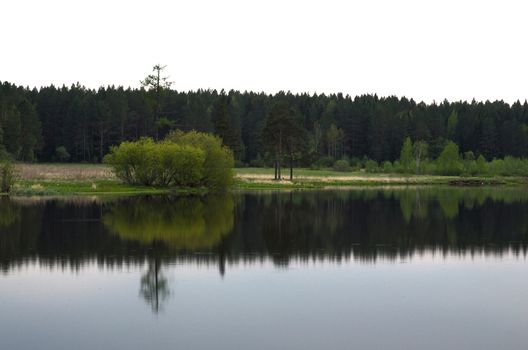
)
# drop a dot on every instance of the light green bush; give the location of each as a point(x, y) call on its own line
point(387, 167)
point(449, 162)
point(219, 160)
point(179, 165)
point(164, 164)
point(482, 165)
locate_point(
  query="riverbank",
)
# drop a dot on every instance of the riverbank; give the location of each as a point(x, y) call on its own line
point(85, 179)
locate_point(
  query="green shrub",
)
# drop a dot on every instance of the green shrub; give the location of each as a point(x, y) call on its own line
point(342, 165)
point(406, 156)
point(164, 164)
point(219, 160)
point(470, 167)
point(482, 165)
point(7, 176)
point(387, 167)
point(179, 165)
point(469, 155)
point(133, 162)
point(496, 167)
point(371, 166)
point(449, 162)
point(429, 168)
point(397, 167)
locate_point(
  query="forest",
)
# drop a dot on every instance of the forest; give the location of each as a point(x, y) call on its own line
point(77, 124)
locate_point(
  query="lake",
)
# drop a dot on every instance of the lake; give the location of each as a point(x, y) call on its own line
point(393, 268)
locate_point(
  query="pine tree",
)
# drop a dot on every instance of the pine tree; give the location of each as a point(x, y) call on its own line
point(158, 84)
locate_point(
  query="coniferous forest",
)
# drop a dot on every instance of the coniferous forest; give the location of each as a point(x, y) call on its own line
point(77, 124)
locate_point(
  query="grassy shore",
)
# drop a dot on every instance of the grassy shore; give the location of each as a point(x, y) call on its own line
point(307, 178)
point(66, 179)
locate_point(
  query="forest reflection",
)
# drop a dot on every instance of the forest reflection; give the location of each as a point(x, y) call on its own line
point(340, 225)
point(363, 225)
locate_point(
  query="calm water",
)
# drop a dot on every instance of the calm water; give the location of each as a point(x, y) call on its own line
point(436, 268)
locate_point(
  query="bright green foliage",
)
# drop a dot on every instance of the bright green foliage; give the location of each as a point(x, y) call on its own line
point(509, 166)
point(164, 164)
point(133, 162)
point(334, 140)
point(387, 167)
point(406, 156)
point(180, 165)
point(469, 156)
point(219, 160)
point(449, 162)
point(482, 165)
point(420, 150)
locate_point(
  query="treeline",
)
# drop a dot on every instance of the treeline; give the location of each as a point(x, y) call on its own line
point(80, 125)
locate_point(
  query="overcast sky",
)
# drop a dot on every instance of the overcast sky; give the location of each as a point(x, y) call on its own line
point(427, 50)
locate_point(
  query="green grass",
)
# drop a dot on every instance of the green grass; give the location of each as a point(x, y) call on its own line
point(252, 178)
point(306, 172)
point(300, 172)
point(89, 179)
point(99, 187)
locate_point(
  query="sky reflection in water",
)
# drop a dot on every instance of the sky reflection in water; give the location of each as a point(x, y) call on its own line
point(401, 269)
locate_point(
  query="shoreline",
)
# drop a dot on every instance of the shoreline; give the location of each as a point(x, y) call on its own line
point(97, 179)
point(115, 187)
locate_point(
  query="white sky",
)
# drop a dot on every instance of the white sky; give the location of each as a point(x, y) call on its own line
point(427, 50)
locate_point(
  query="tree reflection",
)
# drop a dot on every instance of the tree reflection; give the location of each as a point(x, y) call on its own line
point(154, 286)
point(364, 224)
point(9, 212)
point(189, 223)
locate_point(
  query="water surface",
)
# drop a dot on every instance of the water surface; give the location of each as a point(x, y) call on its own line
point(434, 268)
